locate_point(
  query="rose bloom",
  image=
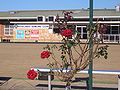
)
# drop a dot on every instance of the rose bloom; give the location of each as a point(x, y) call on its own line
point(31, 74)
point(45, 54)
point(67, 33)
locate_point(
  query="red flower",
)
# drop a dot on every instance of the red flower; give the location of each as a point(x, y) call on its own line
point(67, 33)
point(69, 17)
point(45, 54)
point(102, 28)
point(31, 74)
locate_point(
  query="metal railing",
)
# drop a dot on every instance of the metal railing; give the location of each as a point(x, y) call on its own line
point(112, 38)
point(109, 72)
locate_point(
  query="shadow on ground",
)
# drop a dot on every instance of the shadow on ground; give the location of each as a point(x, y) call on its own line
point(4, 80)
point(75, 87)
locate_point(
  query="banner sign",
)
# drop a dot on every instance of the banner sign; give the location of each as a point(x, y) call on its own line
point(31, 31)
point(34, 34)
point(20, 34)
point(27, 34)
point(33, 26)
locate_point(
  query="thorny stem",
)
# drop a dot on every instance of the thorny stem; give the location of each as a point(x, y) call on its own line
point(76, 50)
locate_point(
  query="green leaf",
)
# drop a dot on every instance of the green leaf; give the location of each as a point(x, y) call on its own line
point(102, 52)
point(70, 44)
point(47, 47)
point(105, 56)
point(62, 57)
point(66, 65)
point(77, 32)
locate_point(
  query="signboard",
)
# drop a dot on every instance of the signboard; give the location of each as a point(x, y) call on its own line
point(27, 34)
point(32, 31)
point(34, 34)
point(33, 26)
point(20, 34)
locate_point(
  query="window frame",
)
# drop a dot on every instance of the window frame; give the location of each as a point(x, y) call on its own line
point(43, 18)
point(8, 30)
point(51, 17)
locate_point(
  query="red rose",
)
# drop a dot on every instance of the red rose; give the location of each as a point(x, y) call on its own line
point(69, 17)
point(102, 29)
point(31, 74)
point(67, 33)
point(45, 54)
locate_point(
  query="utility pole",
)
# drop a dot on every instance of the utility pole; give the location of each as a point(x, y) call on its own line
point(90, 45)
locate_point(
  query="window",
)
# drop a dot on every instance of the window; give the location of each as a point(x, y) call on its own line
point(40, 18)
point(51, 18)
point(111, 19)
point(119, 30)
point(108, 30)
point(115, 30)
point(82, 32)
point(8, 30)
point(56, 30)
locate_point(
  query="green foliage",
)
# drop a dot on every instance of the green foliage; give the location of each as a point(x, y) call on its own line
point(66, 65)
point(102, 52)
point(47, 47)
point(63, 57)
point(70, 43)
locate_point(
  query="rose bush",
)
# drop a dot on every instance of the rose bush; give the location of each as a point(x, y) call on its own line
point(73, 53)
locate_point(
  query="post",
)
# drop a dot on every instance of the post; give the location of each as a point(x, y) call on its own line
point(90, 46)
point(118, 82)
point(49, 82)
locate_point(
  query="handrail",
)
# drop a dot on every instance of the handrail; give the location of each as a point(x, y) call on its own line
point(113, 72)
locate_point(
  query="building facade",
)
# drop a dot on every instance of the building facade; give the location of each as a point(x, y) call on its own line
point(37, 25)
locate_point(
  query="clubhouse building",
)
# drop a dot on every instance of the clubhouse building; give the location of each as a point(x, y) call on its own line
point(37, 25)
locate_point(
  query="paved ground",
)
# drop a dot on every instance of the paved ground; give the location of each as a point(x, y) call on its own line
point(18, 84)
point(16, 59)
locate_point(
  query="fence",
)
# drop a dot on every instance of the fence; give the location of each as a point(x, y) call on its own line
point(115, 38)
point(84, 71)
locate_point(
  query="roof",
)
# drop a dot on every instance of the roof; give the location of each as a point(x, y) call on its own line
point(76, 13)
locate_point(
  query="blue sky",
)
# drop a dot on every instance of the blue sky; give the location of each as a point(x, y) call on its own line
point(8, 5)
